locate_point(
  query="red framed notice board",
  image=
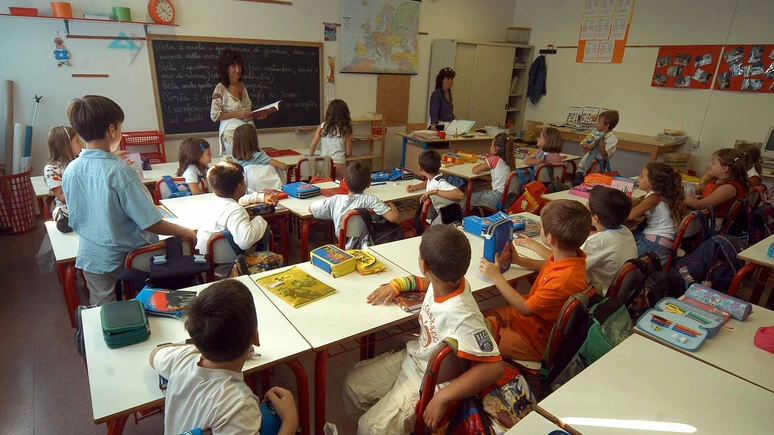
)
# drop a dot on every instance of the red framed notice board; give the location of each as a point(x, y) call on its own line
point(686, 66)
point(746, 68)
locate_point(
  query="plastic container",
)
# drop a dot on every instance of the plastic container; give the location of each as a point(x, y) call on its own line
point(17, 204)
point(519, 35)
point(121, 13)
point(62, 9)
point(150, 144)
point(25, 12)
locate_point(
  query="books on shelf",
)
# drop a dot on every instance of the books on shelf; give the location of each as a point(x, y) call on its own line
point(589, 115)
point(574, 115)
point(333, 260)
point(411, 302)
point(164, 302)
point(267, 109)
point(295, 287)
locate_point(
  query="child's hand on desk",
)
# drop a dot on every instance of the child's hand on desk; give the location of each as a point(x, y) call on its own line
point(384, 294)
point(283, 403)
point(526, 242)
point(271, 199)
point(409, 188)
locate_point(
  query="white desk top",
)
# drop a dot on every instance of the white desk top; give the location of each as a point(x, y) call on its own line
point(733, 351)
point(565, 194)
point(390, 191)
point(465, 170)
point(345, 314)
point(121, 380)
point(65, 246)
point(448, 138)
point(532, 424)
point(405, 253)
point(758, 253)
point(645, 381)
point(188, 209)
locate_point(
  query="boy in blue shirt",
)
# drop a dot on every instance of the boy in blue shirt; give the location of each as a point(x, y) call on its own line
point(110, 208)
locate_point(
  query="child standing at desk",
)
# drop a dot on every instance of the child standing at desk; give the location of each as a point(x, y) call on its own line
point(110, 208)
point(195, 155)
point(64, 146)
point(526, 322)
point(603, 149)
point(440, 192)
point(206, 389)
point(336, 206)
point(501, 163)
point(336, 136)
point(246, 149)
point(387, 387)
point(549, 148)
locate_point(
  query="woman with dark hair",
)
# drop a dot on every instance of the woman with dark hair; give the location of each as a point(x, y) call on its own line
point(231, 104)
point(441, 102)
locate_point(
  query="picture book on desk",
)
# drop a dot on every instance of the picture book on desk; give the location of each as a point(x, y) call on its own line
point(411, 302)
point(295, 287)
point(367, 264)
point(164, 302)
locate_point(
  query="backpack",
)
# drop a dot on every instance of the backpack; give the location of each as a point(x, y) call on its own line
point(608, 324)
point(248, 263)
point(378, 230)
point(176, 272)
point(554, 185)
point(714, 261)
point(760, 222)
point(739, 228)
point(640, 292)
point(530, 200)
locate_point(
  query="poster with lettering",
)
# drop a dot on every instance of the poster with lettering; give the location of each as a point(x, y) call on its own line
point(746, 68)
point(685, 66)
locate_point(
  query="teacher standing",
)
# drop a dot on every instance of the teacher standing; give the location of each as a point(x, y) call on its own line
point(231, 104)
point(441, 102)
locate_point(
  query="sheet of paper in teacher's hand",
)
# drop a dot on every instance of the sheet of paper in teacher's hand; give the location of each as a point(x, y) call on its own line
point(267, 109)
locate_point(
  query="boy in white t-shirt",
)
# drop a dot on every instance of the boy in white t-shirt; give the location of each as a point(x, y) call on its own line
point(206, 389)
point(605, 149)
point(438, 191)
point(387, 387)
point(610, 245)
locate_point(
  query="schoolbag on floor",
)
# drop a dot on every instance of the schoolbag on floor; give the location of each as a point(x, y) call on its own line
point(378, 230)
point(714, 261)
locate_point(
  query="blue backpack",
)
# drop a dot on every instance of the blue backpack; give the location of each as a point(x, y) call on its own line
point(714, 260)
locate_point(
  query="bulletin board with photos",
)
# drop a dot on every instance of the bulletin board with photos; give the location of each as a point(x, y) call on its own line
point(686, 66)
point(748, 68)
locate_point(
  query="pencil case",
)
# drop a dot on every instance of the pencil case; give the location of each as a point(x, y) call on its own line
point(124, 323)
point(702, 306)
point(679, 324)
point(468, 157)
point(478, 226)
point(301, 190)
point(453, 158)
point(738, 308)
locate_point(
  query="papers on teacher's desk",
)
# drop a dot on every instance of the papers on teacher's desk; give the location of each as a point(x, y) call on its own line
point(267, 109)
point(459, 126)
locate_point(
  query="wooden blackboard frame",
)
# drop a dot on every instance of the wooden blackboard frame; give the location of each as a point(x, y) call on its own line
point(188, 38)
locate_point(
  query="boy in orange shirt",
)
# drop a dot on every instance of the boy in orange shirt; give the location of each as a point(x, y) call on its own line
point(527, 321)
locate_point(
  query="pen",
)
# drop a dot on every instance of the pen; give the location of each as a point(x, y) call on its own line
point(378, 184)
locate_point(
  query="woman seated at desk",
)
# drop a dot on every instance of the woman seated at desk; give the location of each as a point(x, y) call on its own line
point(441, 102)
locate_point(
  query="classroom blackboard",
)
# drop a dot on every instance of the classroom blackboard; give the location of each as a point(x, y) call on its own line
point(185, 73)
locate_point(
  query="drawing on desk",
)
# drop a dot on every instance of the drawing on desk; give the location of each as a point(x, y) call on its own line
point(295, 287)
point(164, 302)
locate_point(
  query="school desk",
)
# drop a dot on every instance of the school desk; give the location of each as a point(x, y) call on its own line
point(405, 254)
point(532, 424)
point(640, 143)
point(121, 381)
point(640, 382)
point(339, 318)
point(478, 143)
point(565, 194)
point(732, 349)
point(387, 192)
point(188, 212)
point(758, 253)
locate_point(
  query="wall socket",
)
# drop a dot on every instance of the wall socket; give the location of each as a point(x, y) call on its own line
point(696, 144)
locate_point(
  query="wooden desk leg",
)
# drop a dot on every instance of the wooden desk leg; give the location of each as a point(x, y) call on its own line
point(303, 394)
point(61, 270)
point(468, 194)
point(116, 427)
point(320, 368)
point(305, 239)
point(71, 293)
point(403, 153)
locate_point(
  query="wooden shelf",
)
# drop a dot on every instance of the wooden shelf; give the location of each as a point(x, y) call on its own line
point(66, 21)
point(365, 138)
point(366, 157)
point(372, 145)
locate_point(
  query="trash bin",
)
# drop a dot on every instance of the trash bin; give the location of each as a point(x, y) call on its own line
point(17, 204)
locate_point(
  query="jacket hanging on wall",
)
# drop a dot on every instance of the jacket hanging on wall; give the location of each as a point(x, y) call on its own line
point(537, 79)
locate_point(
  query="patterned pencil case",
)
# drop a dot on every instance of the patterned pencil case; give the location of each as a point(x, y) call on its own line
point(679, 324)
point(738, 308)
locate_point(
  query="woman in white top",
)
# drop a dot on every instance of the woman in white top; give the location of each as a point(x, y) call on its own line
point(501, 163)
point(663, 207)
point(231, 104)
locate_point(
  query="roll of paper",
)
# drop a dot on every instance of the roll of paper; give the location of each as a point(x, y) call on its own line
point(19, 131)
point(6, 123)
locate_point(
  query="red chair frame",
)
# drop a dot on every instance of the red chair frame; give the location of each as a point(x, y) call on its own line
point(681, 234)
point(345, 226)
point(733, 212)
point(623, 272)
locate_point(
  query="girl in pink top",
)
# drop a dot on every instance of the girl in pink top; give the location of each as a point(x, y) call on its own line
point(501, 163)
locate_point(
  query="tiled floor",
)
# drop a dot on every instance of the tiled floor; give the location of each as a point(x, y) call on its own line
point(43, 380)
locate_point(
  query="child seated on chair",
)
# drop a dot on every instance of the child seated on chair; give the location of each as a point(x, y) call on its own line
point(227, 181)
point(549, 150)
point(335, 207)
point(526, 322)
point(195, 155)
point(438, 191)
point(206, 389)
point(604, 149)
point(500, 164)
point(611, 243)
point(387, 387)
point(246, 149)
point(110, 209)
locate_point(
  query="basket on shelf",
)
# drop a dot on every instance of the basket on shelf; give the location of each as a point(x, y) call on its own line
point(17, 204)
point(149, 144)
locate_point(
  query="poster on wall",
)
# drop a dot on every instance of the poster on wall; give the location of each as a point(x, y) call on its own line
point(686, 66)
point(379, 36)
point(747, 68)
point(604, 30)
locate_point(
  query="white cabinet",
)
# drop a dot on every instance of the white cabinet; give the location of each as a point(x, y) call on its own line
point(517, 92)
point(482, 84)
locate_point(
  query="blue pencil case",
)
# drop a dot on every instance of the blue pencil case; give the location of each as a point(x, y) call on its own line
point(679, 324)
point(478, 226)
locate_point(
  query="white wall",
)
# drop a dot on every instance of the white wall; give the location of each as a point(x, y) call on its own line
point(27, 46)
point(715, 118)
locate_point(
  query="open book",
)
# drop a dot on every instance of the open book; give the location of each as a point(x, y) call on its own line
point(459, 126)
point(268, 109)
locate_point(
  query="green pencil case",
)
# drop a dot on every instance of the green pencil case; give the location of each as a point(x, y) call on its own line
point(124, 323)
